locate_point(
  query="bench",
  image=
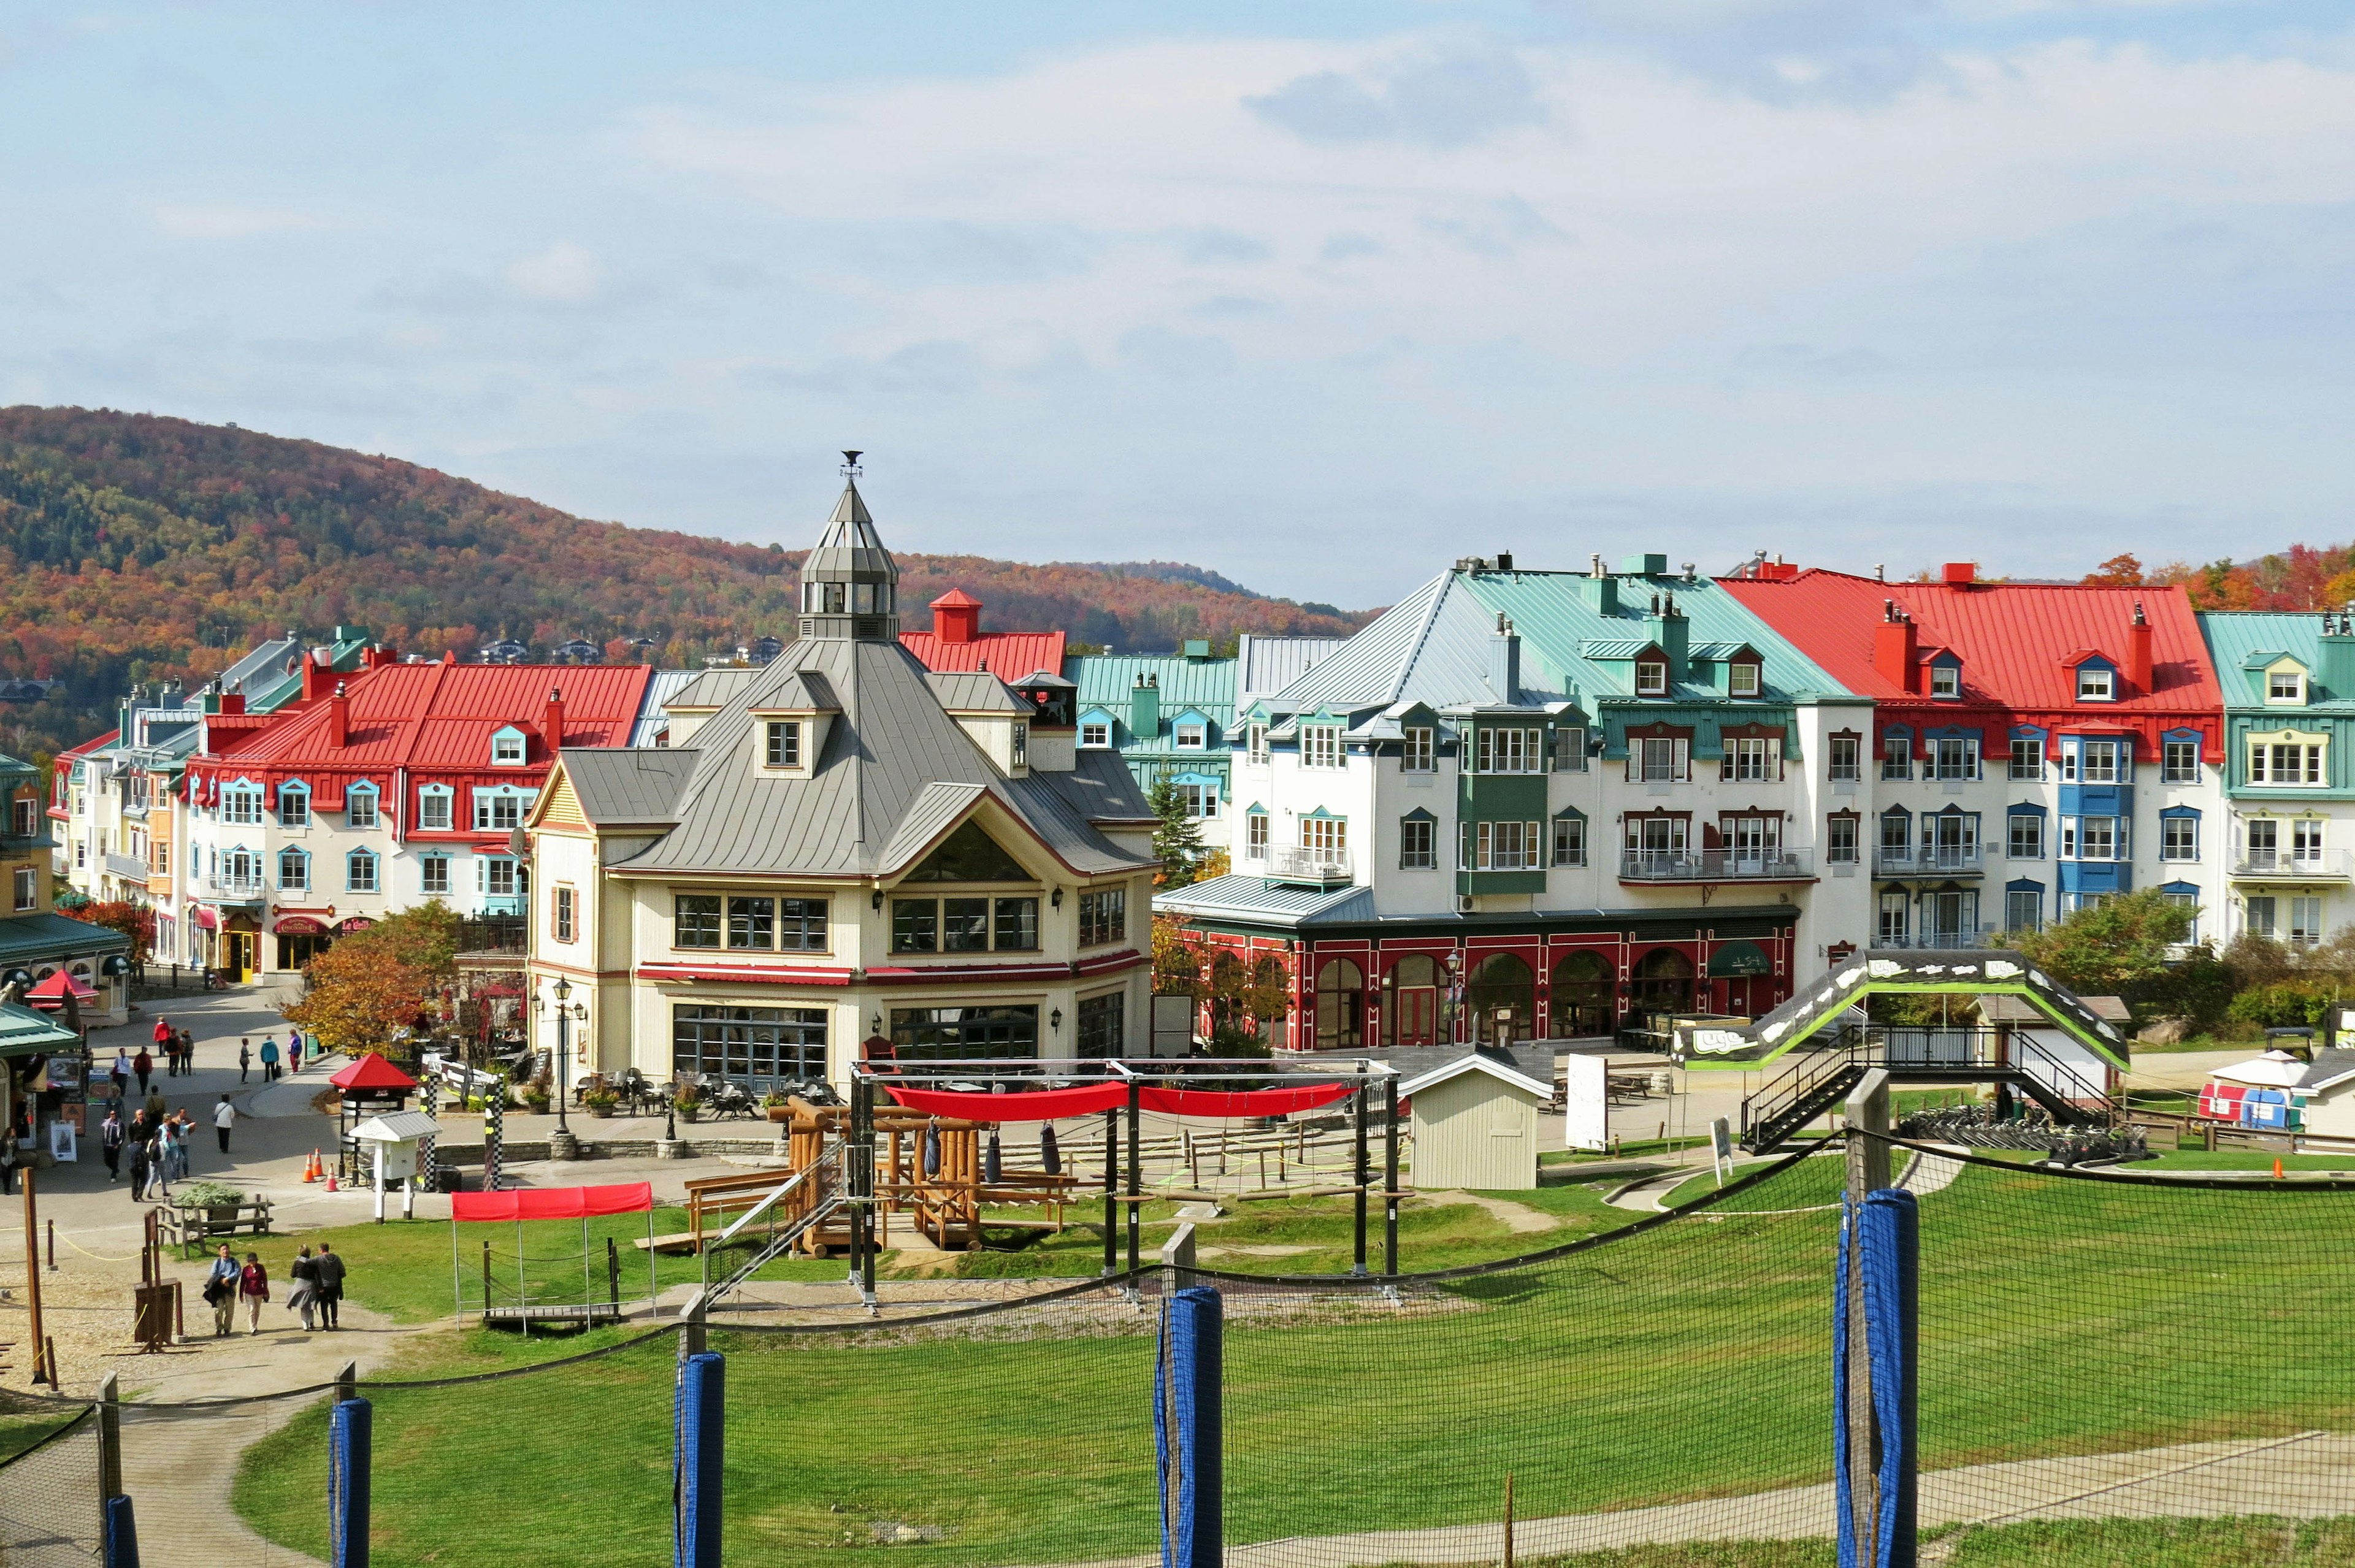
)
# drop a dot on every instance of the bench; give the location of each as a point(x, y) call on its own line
point(194, 1228)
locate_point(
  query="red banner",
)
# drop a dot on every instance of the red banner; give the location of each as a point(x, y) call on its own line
point(1049, 1105)
point(553, 1203)
point(1036, 1106)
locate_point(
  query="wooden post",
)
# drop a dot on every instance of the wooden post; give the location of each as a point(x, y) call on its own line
point(1509, 1520)
point(691, 1337)
point(42, 1367)
point(347, 1381)
point(1867, 1171)
point(110, 1440)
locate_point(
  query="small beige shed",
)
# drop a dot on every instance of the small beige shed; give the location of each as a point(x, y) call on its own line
point(1475, 1123)
point(2328, 1088)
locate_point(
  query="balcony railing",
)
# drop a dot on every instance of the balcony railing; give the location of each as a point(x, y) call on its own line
point(128, 866)
point(1713, 865)
point(1928, 860)
point(507, 904)
point(2293, 865)
point(1288, 864)
point(1983, 936)
point(236, 887)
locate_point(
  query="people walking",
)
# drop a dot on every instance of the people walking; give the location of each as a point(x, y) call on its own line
point(182, 1127)
point(220, 1290)
point(269, 1058)
point(224, 1118)
point(154, 1106)
point(143, 1065)
point(253, 1288)
point(187, 1051)
point(244, 1058)
point(120, 1072)
point(9, 1153)
point(164, 1041)
point(110, 1143)
point(138, 1169)
point(328, 1270)
point(302, 1294)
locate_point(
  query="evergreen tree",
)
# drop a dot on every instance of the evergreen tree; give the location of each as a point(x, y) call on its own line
point(1178, 842)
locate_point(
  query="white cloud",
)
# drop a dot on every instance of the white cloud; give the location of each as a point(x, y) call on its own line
point(564, 274)
point(180, 220)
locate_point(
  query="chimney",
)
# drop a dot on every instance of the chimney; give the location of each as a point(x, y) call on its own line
point(1504, 560)
point(1960, 573)
point(2139, 674)
point(232, 702)
point(315, 677)
point(1667, 625)
point(551, 726)
point(1505, 662)
point(2334, 663)
point(1144, 710)
point(339, 718)
point(1893, 646)
point(956, 617)
point(1599, 590)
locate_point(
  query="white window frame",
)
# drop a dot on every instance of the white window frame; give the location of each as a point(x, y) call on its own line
point(2293, 696)
point(27, 891)
point(2027, 758)
point(1947, 681)
point(1743, 678)
point(1966, 763)
point(2097, 683)
point(1320, 746)
point(2169, 770)
point(1095, 735)
point(426, 866)
point(501, 741)
point(1328, 834)
point(1192, 736)
point(1419, 753)
point(241, 804)
point(2019, 845)
point(353, 862)
point(1569, 841)
point(1426, 859)
point(1255, 834)
point(2305, 759)
point(299, 882)
point(2178, 838)
point(1255, 741)
point(1201, 799)
point(1754, 762)
point(490, 804)
point(429, 797)
point(1651, 677)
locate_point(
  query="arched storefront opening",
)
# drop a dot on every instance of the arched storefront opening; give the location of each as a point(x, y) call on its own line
point(1581, 996)
point(1664, 982)
point(1502, 996)
point(1228, 982)
point(1340, 1005)
point(1411, 1016)
point(1270, 998)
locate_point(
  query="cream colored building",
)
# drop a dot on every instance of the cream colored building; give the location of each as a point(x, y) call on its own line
point(840, 849)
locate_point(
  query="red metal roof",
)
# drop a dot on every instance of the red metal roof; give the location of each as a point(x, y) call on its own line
point(2019, 643)
point(436, 719)
point(956, 599)
point(372, 1071)
point(1008, 655)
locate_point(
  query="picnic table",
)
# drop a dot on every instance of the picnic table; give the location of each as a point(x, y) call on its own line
point(191, 1228)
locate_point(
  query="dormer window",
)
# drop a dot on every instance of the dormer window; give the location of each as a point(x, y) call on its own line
point(2284, 685)
point(1192, 737)
point(507, 748)
point(1946, 681)
point(783, 747)
point(1651, 677)
point(2097, 683)
point(1095, 735)
point(1742, 679)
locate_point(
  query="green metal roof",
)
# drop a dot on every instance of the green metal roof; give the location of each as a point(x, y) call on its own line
point(2236, 638)
point(33, 938)
point(1105, 680)
point(1564, 634)
point(25, 1032)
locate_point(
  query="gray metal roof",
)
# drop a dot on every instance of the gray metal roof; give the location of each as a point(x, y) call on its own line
point(1239, 896)
point(804, 690)
point(975, 691)
point(849, 547)
point(618, 784)
point(713, 688)
point(2332, 1066)
point(1265, 666)
point(875, 772)
point(1432, 646)
point(264, 668)
point(661, 687)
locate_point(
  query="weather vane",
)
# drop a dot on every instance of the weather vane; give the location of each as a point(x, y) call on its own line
point(850, 464)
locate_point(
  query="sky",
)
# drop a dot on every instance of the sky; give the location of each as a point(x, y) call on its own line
point(1321, 296)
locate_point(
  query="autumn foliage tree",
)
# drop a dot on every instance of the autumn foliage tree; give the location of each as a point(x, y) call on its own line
point(373, 984)
point(136, 921)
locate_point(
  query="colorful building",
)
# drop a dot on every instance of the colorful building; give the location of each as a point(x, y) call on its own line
point(37, 943)
point(1539, 804)
point(843, 852)
point(2031, 748)
point(2287, 822)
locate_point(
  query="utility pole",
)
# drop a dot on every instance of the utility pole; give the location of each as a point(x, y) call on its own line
point(41, 1369)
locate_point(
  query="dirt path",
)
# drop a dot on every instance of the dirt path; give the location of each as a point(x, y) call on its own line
point(1517, 1217)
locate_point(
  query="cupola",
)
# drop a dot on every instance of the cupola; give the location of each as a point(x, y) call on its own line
point(849, 585)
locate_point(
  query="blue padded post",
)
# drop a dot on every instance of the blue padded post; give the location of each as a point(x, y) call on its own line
point(349, 1431)
point(1187, 1430)
point(1891, 1223)
point(695, 1472)
point(121, 1547)
point(1843, 1492)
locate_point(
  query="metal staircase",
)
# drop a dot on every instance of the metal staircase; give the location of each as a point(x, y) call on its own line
point(1815, 1081)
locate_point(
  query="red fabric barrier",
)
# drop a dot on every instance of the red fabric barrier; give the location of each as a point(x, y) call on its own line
point(1250, 1102)
point(1035, 1106)
point(1047, 1104)
point(553, 1203)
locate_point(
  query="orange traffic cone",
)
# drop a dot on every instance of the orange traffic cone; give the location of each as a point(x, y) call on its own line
point(331, 1181)
point(2277, 1176)
point(310, 1167)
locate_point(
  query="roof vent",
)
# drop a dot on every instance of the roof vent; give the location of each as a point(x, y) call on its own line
point(1504, 560)
point(1960, 573)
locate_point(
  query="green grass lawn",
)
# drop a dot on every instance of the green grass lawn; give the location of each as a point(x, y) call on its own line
point(2243, 1542)
point(2059, 1317)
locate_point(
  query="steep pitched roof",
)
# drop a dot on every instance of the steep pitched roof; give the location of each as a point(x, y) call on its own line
point(2012, 636)
point(1265, 666)
point(2249, 640)
point(628, 785)
point(653, 719)
point(713, 688)
point(971, 691)
point(1570, 643)
point(1431, 646)
point(1009, 655)
point(894, 768)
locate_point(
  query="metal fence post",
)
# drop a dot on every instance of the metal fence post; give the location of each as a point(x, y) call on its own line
point(1187, 1424)
point(348, 1446)
point(1856, 1439)
point(695, 1472)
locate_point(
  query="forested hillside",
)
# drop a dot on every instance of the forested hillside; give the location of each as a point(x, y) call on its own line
point(135, 548)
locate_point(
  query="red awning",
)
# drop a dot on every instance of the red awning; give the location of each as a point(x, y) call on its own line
point(205, 918)
point(1042, 1105)
point(553, 1203)
point(54, 989)
point(1037, 1106)
point(372, 1071)
point(299, 925)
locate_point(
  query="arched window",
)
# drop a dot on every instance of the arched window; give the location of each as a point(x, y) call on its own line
point(1500, 995)
point(1412, 1015)
point(1664, 982)
point(1581, 997)
point(1228, 981)
point(1340, 1005)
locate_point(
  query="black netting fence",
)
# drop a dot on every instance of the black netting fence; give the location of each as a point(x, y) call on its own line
point(2112, 1369)
point(49, 1484)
